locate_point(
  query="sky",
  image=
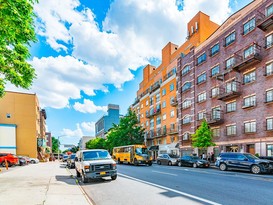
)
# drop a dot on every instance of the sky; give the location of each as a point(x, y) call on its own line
point(90, 53)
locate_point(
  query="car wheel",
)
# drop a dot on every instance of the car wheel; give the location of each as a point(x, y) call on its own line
point(255, 169)
point(150, 163)
point(78, 173)
point(84, 179)
point(194, 165)
point(223, 167)
point(179, 164)
point(158, 162)
point(4, 164)
point(170, 163)
point(135, 162)
point(114, 177)
point(32, 162)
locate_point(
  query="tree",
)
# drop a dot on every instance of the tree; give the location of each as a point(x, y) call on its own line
point(55, 145)
point(16, 33)
point(97, 143)
point(127, 132)
point(202, 138)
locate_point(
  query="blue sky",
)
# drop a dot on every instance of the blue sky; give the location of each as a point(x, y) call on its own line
point(91, 53)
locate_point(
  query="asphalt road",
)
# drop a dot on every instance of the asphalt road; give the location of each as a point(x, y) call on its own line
point(179, 185)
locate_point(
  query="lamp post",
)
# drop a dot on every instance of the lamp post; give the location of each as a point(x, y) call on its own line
point(59, 146)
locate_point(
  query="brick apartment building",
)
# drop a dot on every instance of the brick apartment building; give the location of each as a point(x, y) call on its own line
point(228, 80)
point(156, 101)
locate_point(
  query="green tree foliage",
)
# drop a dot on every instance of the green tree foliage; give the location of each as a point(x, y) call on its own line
point(202, 138)
point(127, 132)
point(16, 33)
point(97, 143)
point(55, 143)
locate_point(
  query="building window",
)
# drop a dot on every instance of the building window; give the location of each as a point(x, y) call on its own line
point(171, 87)
point(158, 120)
point(249, 77)
point(230, 63)
point(186, 136)
point(201, 78)
point(151, 101)
point(201, 97)
point(172, 113)
point(8, 115)
point(214, 92)
point(147, 102)
point(231, 130)
point(269, 96)
point(163, 104)
point(186, 86)
point(269, 10)
point(230, 39)
point(157, 97)
point(231, 87)
point(269, 124)
point(201, 115)
point(216, 132)
point(249, 101)
point(152, 123)
point(249, 26)
point(215, 70)
point(147, 123)
point(249, 127)
point(185, 70)
point(186, 119)
point(270, 150)
point(215, 49)
point(231, 107)
point(164, 117)
point(249, 51)
point(269, 69)
point(269, 41)
point(186, 104)
point(164, 91)
point(202, 58)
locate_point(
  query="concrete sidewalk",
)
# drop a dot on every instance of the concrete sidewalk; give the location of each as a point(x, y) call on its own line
point(47, 183)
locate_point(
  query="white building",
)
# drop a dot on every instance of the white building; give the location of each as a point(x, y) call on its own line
point(83, 141)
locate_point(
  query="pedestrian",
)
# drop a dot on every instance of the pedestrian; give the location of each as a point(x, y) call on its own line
point(212, 157)
point(204, 156)
point(209, 157)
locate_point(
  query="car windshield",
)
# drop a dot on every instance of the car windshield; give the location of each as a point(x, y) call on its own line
point(72, 156)
point(250, 156)
point(195, 157)
point(173, 156)
point(95, 155)
point(141, 150)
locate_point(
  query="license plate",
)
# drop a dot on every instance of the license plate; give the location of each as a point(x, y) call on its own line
point(102, 173)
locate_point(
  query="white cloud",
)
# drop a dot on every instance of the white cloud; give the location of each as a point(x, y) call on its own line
point(73, 133)
point(88, 106)
point(82, 129)
point(89, 127)
point(132, 33)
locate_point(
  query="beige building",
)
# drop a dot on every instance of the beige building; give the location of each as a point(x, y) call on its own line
point(22, 125)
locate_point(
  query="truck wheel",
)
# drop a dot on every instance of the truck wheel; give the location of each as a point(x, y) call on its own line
point(114, 177)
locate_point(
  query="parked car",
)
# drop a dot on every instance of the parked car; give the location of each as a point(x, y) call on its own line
point(95, 163)
point(34, 160)
point(167, 159)
point(71, 161)
point(243, 161)
point(56, 156)
point(65, 157)
point(22, 161)
point(266, 157)
point(27, 159)
point(192, 161)
point(10, 158)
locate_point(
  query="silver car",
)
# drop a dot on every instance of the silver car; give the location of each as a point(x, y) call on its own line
point(167, 159)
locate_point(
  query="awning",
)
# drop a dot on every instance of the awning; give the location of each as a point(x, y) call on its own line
point(154, 148)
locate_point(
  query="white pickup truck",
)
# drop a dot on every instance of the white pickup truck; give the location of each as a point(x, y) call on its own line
point(95, 163)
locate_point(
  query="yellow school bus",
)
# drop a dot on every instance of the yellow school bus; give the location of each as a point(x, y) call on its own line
point(132, 154)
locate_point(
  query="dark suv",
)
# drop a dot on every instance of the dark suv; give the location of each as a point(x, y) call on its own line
point(243, 161)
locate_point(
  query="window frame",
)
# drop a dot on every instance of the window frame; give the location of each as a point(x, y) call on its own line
point(270, 43)
point(232, 129)
point(186, 69)
point(230, 39)
point(213, 53)
point(188, 88)
point(215, 67)
point(233, 107)
point(248, 78)
point(202, 99)
point(201, 59)
point(269, 94)
point(250, 129)
point(203, 78)
point(247, 27)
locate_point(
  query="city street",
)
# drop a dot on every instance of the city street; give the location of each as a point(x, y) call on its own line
point(180, 185)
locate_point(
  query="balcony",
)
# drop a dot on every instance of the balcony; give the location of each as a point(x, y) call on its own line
point(266, 23)
point(150, 134)
point(160, 132)
point(174, 102)
point(248, 57)
point(154, 87)
point(154, 112)
point(173, 131)
point(215, 117)
point(135, 102)
point(229, 90)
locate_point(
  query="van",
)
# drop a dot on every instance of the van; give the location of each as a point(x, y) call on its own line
point(95, 163)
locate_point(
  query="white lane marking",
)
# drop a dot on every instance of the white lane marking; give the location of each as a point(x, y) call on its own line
point(165, 173)
point(173, 190)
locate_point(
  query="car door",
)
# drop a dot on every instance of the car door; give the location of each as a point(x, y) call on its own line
point(165, 159)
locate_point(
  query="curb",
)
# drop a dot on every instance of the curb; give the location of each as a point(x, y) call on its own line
point(90, 201)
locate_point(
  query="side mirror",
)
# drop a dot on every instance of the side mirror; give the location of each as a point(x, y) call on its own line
point(76, 159)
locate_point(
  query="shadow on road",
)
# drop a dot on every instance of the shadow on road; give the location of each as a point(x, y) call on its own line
point(66, 179)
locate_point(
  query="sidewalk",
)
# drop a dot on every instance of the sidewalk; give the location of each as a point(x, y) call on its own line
point(47, 183)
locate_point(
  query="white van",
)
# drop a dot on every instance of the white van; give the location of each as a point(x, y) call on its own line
point(95, 163)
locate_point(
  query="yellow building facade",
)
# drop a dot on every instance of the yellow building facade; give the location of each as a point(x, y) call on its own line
point(21, 111)
point(156, 101)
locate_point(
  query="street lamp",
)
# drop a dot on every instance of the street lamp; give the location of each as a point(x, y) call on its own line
point(59, 146)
